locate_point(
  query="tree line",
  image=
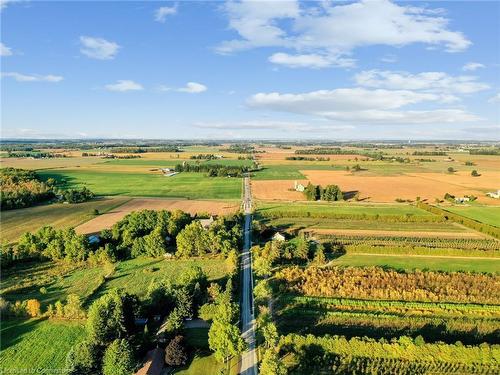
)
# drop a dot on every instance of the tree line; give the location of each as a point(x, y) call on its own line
point(329, 193)
point(214, 170)
point(21, 188)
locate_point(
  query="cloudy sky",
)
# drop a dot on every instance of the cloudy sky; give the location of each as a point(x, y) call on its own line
point(373, 69)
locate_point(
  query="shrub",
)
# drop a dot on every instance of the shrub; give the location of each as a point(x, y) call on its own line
point(175, 353)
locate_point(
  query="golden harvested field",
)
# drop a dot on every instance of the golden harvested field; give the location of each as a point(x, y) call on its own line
point(276, 190)
point(28, 163)
point(108, 219)
point(381, 233)
point(386, 188)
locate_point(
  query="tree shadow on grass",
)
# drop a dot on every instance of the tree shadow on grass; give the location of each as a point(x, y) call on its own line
point(14, 329)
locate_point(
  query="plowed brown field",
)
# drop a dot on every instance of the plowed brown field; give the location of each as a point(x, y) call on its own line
point(108, 219)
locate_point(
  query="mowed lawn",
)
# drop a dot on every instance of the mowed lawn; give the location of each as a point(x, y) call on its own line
point(484, 214)
point(30, 346)
point(182, 185)
point(332, 209)
point(407, 262)
point(58, 215)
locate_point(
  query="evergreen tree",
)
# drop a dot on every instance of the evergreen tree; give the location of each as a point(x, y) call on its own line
point(118, 359)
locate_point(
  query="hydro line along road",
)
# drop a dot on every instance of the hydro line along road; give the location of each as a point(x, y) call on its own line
point(248, 364)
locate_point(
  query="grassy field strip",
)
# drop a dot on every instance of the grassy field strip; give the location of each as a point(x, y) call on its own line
point(31, 346)
point(409, 262)
point(484, 214)
point(381, 233)
point(182, 185)
point(58, 215)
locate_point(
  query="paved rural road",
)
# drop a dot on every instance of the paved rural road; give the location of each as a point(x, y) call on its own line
point(248, 365)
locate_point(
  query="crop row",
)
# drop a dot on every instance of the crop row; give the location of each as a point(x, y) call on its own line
point(387, 284)
point(331, 214)
point(339, 355)
point(429, 242)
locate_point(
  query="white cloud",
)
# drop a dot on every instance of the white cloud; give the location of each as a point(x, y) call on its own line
point(389, 58)
point(308, 60)
point(427, 81)
point(333, 30)
point(193, 88)
point(98, 48)
point(344, 99)
point(472, 66)
point(32, 77)
point(4, 50)
point(252, 125)
point(494, 99)
point(360, 105)
point(162, 13)
point(124, 85)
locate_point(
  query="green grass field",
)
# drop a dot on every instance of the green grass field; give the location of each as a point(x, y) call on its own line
point(183, 185)
point(58, 215)
point(289, 171)
point(135, 275)
point(32, 346)
point(326, 209)
point(485, 214)
point(407, 262)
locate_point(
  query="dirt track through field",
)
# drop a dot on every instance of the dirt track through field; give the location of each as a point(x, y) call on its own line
point(192, 206)
point(364, 232)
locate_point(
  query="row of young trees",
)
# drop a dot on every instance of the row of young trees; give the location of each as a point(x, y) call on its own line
point(299, 250)
point(378, 283)
point(329, 193)
point(339, 355)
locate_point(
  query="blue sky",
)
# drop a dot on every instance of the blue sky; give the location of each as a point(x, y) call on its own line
point(251, 69)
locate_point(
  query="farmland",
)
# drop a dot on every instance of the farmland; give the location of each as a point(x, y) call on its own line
point(184, 185)
point(16, 222)
point(350, 276)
